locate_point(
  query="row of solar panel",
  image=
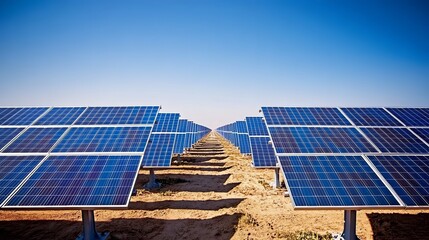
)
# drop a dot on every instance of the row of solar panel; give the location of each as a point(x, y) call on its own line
point(76, 181)
point(392, 117)
point(390, 167)
point(237, 134)
point(78, 115)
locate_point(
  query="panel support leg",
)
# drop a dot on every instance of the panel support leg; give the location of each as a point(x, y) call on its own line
point(276, 183)
point(152, 184)
point(349, 225)
point(89, 232)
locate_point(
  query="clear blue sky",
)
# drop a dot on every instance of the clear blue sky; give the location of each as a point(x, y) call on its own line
point(216, 61)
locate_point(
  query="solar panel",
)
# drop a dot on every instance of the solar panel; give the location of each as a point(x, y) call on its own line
point(159, 150)
point(256, 126)
point(413, 117)
point(334, 182)
point(244, 143)
point(319, 140)
point(241, 127)
point(38, 140)
point(118, 115)
point(395, 140)
point(179, 143)
point(20, 116)
point(166, 122)
point(183, 123)
point(61, 116)
point(7, 134)
point(262, 152)
point(423, 133)
point(370, 117)
point(408, 176)
point(13, 169)
point(104, 139)
point(79, 181)
point(303, 116)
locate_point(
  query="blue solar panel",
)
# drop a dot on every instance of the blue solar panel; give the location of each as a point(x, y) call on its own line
point(60, 116)
point(395, 140)
point(256, 126)
point(183, 123)
point(244, 143)
point(303, 116)
point(104, 139)
point(36, 140)
point(263, 154)
point(20, 116)
point(118, 115)
point(7, 134)
point(166, 122)
point(423, 133)
point(413, 117)
point(75, 181)
point(408, 176)
point(179, 145)
point(319, 140)
point(13, 169)
point(334, 181)
point(159, 150)
point(241, 127)
point(371, 117)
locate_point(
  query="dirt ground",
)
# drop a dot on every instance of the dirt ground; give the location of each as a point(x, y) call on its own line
point(212, 194)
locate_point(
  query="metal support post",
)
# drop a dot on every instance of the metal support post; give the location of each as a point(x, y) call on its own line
point(349, 225)
point(276, 183)
point(89, 232)
point(152, 184)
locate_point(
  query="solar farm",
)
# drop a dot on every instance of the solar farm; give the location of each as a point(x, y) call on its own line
point(136, 172)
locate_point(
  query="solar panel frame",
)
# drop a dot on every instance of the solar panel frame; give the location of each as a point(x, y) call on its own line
point(342, 138)
point(18, 169)
point(371, 117)
point(411, 117)
point(407, 175)
point(87, 178)
point(390, 139)
point(7, 135)
point(263, 154)
point(316, 184)
point(423, 133)
point(21, 116)
point(154, 157)
point(304, 116)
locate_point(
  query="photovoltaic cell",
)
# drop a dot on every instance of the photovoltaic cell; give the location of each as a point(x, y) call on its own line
point(256, 126)
point(38, 140)
point(412, 117)
point(166, 122)
point(244, 143)
point(60, 116)
point(118, 115)
point(74, 181)
point(159, 150)
point(7, 134)
point(334, 181)
point(303, 116)
point(262, 152)
point(395, 140)
point(241, 127)
point(13, 170)
point(319, 140)
point(179, 143)
point(104, 139)
point(423, 133)
point(183, 123)
point(408, 176)
point(371, 117)
point(20, 116)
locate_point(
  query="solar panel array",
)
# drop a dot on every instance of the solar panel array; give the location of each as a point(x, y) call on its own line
point(352, 158)
point(237, 134)
point(72, 157)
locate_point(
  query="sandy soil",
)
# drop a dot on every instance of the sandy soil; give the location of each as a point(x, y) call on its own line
point(212, 194)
